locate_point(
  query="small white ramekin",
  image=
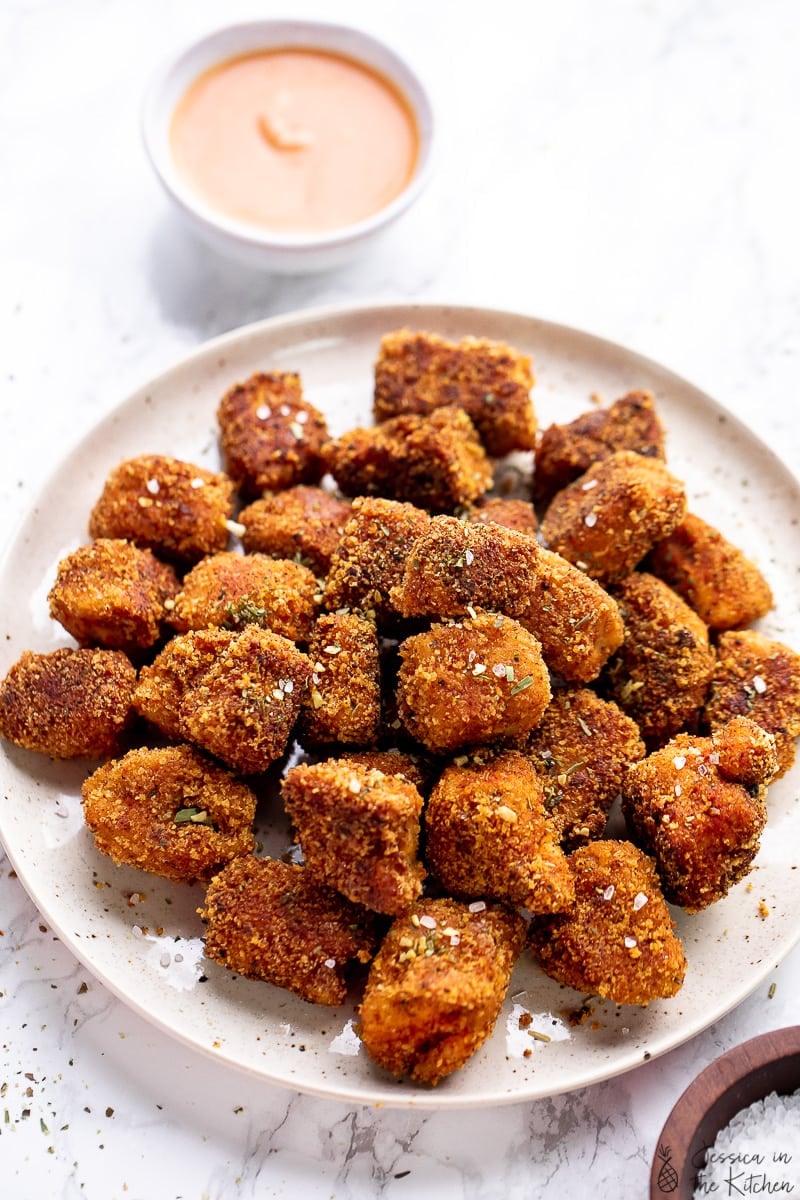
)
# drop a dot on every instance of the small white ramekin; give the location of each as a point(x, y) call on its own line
point(280, 252)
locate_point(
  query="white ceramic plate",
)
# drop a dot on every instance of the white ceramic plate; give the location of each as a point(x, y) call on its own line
point(141, 936)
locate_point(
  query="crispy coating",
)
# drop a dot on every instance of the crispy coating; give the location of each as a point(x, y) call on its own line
point(233, 590)
point(757, 677)
point(343, 703)
point(111, 594)
point(413, 767)
point(436, 986)
point(420, 372)
point(701, 825)
point(371, 556)
point(618, 940)
point(607, 519)
point(454, 565)
point(519, 515)
point(359, 831)
point(270, 920)
point(565, 451)
point(69, 703)
point(582, 749)
point(713, 576)
point(436, 462)
point(171, 812)
point(176, 509)
point(236, 695)
point(479, 682)
point(270, 436)
point(577, 622)
point(661, 673)
point(488, 834)
point(303, 523)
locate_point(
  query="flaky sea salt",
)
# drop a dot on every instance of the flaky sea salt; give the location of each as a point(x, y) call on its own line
point(758, 1152)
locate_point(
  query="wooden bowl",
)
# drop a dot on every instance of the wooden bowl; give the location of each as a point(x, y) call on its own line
point(768, 1063)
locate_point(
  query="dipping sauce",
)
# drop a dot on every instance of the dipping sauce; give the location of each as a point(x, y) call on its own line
point(294, 140)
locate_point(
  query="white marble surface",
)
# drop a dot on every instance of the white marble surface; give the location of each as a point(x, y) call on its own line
point(627, 168)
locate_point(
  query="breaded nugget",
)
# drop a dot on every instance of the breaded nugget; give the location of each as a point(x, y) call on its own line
point(607, 519)
point(270, 436)
point(111, 594)
point(487, 834)
point(577, 622)
point(713, 576)
point(420, 372)
point(69, 703)
point(701, 824)
point(519, 515)
point(416, 768)
point(618, 941)
point(371, 556)
point(661, 673)
point(359, 831)
point(178, 510)
point(757, 677)
point(582, 748)
point(171, 812)
point(454, 565)
point(236, 695)
point(303, 523)
point(436, 462)
point(436, 986)
point(479, 682)
point(565, 451)
point(343, 703)
point(270, 920)
point(233, 590)
point(162, 685)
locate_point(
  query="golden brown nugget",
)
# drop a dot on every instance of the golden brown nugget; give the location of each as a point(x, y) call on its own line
point(170, 811)
point(607, 520)
point(713, 576)
point(698, 806)
point(235, 695)
point(69, 703)
point(176, 509)
point(436, 986)
point(359, 831)
point(618, 940)
point(343, 703)
point(270, 436)
point(413, 767)
point(112, 594)
point(371, 556)
point(661, 674)
point(303, 523)
point(231, 590)
point(577, 622)
point(757, 677)
point(436, 462)
point(420, 372)
point(518, 515)
point(455, 565)
point(582, 749)
point(475, 683)
point(269, 920)
point(565, 451)
point(164, 683)
point(487, 834)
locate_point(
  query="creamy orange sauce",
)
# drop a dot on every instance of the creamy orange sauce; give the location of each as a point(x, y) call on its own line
point(294, 140)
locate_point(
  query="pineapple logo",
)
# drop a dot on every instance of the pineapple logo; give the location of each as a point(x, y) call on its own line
point(667, 1179)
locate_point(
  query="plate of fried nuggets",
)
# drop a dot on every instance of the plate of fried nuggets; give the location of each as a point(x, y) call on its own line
point(481, 587)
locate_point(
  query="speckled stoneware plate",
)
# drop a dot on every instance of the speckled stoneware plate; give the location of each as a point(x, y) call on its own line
point(141, 936)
